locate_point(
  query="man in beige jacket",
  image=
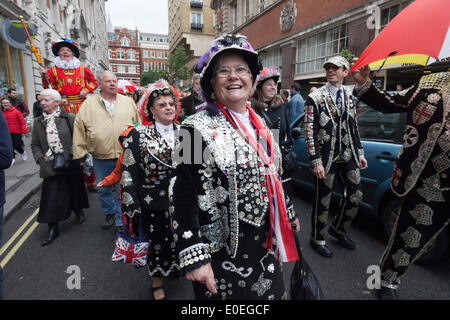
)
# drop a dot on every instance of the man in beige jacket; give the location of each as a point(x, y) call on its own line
point(98, 124)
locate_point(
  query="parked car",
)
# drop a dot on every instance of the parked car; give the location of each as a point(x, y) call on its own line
point(382, 136)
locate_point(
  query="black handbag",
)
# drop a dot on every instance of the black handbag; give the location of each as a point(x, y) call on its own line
point(289, 160)
point(62, 162)
point(304, 283)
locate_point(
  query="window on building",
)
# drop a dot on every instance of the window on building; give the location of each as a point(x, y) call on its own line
point(262, 5)
point(121, 69)
point(145, 53)
point(313, 51)
point(153, 66)
point(389, 13)
point(165, 54)
point(196, 20)
point(145, 66)
point(152, 54)
point(271, 58)
point(234, 10)
point(125, 42)
point(159, 66)
point(120, 54)
point(131, 55)
point(110, 53)
point(131, 69)
point(159, 54)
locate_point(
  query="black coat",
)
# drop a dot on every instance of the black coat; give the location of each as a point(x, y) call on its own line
point(219, 185)
point(322, 129)
point(146, 171)
point(6, 155)
point(427, 128)
point(189, 103)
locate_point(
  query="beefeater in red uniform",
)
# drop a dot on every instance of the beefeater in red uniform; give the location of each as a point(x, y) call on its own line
point(68, 76)
point(72, 80)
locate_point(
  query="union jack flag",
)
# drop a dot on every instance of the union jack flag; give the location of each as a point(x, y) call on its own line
point(130, 251)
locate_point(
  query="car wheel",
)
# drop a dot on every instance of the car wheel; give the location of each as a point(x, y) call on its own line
point(436, 251)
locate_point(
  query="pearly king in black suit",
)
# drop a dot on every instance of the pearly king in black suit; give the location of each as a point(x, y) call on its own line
point(332, 140)
point(146, 172)
point(422, 171)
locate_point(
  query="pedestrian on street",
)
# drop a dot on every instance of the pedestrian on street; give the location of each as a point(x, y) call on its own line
point(16, 126)
point(98, 125)
point(37, 109)
point(296, 104)
point(269, 105)
point(19, 104)
point(6, 159)
point(62, 192)
point(334, 149)
point(231, 222)
point(421, 176)
point(147, 169)
point(189, 103)
point(72, 80)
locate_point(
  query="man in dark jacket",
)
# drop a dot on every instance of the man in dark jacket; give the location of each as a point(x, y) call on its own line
point(18, 103)
point(6, 158)
point(189, 103)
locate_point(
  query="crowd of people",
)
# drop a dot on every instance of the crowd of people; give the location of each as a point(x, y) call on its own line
point(208, 176)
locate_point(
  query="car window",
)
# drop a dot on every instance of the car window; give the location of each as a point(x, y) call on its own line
point(300, 123)
point(374, 125)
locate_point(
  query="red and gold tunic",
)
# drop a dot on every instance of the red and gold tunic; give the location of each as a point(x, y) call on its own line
point(69, 83)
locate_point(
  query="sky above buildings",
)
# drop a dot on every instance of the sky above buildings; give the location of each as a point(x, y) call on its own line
point(147, 15)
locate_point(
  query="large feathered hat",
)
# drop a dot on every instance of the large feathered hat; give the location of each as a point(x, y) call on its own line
point(226, 44)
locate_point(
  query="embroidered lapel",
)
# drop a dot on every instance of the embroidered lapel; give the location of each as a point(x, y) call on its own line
point(158, 147)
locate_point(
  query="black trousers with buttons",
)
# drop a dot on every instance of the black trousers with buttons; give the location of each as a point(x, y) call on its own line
point(424, 215)
point(349, 174)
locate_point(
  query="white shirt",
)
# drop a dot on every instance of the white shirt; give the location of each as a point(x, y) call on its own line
point(333, 90)
point(245, 119)
point(166, 132)
point(109, 106)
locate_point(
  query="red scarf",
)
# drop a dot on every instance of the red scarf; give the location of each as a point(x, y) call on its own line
point(280, 238)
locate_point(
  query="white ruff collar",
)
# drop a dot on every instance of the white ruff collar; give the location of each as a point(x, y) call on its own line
point(63, 64)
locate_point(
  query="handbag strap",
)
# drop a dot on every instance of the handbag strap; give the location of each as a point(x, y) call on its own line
point(140, 227)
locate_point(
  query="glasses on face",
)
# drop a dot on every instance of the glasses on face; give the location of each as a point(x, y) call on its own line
point(224, 72)
point(331, 66)
point(164, 104)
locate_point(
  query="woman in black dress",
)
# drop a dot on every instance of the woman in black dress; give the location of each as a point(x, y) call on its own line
point(62, 192)
point(269, 105)
point(146, 172)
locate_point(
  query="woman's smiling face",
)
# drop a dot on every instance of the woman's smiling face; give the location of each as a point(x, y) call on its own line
point(232, 82)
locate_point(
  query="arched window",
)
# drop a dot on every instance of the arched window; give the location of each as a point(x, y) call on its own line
point(125, 42)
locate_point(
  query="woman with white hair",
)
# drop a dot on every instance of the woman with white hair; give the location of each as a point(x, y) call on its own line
point(62, 191)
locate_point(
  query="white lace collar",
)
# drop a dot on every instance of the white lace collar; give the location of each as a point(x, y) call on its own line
point(63, 64)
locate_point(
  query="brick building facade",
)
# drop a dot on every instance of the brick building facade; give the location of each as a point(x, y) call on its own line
point(298, 36)
point(125, 54)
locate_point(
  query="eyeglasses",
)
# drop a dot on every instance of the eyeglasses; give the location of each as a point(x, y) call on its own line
point(331, 66)
point(164, 104)
point(225, 72)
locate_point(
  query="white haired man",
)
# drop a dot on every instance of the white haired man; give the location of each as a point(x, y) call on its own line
point(100, 121)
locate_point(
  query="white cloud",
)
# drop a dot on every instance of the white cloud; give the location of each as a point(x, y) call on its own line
point(147, 15)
